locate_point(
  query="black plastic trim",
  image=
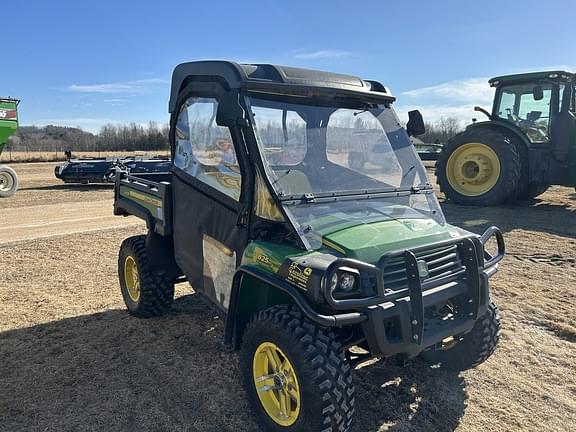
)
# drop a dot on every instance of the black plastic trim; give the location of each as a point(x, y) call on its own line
point(337, 320)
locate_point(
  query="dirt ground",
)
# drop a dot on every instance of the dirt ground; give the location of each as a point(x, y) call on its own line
point(72, 359)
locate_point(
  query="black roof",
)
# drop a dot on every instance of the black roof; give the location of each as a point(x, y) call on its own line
point(269, 77)
point(532, 76)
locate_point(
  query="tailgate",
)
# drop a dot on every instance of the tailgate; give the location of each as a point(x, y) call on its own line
point(146, 199)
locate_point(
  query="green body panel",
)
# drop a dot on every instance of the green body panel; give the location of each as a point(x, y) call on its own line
point(8, 121)
point(365, 242)
point(368, 242)
point(270, 256)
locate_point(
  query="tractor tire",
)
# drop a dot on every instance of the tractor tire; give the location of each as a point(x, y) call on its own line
point(474, 348)
point(527, 191)
point(479, 167)
point(531, 191)
point(146, 291)
point(295, 373)
point(8, 182)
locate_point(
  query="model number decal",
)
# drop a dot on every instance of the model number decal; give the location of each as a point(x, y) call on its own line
point(145, 198)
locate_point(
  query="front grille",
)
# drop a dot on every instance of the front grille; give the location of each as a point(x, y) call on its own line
point(441, 261)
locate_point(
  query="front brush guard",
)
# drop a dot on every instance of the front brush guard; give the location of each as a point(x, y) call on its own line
point(408, 305)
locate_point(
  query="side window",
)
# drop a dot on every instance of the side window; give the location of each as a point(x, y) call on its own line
point(506, 106)
point(205, 150)
point(519, 105)
point(534, 115)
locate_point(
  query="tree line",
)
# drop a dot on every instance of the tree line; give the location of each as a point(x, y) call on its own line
point(110, 138)
point(154, 137)
point(441, 131)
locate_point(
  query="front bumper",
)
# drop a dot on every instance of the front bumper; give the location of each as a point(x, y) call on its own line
point(400, 321)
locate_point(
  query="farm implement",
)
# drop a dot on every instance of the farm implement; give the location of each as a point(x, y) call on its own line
point(8, 125)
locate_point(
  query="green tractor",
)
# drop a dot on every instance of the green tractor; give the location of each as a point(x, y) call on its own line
point(8, 125)
point(527, 144)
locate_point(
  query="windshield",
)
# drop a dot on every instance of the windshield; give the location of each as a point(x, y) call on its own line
point(323, 147)
point(335, 165)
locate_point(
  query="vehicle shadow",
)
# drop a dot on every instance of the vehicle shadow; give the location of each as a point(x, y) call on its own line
point(413, 397)
point(538, 216)
point(109, 371)
point(72, 186)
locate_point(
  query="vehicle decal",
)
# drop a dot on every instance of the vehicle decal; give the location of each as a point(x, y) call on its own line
point(8, 114)
point(298, 275)
point(144, 198)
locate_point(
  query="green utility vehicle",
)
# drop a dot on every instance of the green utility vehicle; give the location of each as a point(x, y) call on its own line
point(306, 255)
point(8, 125)
point(527, 144)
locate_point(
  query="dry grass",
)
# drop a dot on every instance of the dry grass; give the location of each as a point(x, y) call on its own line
point(16, 157)
point(72, 359)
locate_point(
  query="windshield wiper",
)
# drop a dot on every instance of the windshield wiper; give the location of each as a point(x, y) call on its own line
point(281, 176)
point(408, 172)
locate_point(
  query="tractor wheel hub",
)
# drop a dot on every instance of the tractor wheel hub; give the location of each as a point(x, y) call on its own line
point(473, 169)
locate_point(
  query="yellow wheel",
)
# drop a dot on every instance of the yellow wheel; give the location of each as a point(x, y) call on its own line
point(481, 166)
point(473, 169)
point(295, 373)
point(146, 291)
point(276, 384)
point(132, 278)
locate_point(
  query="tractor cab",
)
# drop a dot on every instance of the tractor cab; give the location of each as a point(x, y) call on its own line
point(536, 103)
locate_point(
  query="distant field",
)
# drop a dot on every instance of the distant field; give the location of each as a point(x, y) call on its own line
point(59, 156)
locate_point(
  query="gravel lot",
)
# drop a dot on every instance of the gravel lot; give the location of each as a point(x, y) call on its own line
point(72, 359)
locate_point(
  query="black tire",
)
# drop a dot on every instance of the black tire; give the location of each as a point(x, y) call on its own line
point(474, 348)
point(506, 187)
point(8, 182)
point(527, 190)
point(322, 370)
point(156, 291)
point(532, 190)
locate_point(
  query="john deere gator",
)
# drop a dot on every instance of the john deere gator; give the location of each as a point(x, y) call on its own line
point(307, 253)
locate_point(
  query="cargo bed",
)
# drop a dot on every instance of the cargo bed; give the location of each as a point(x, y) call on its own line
point(147, 196)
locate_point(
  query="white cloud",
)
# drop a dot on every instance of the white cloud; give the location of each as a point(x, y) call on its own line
point(472, 90)
point(322, 54)
point(115, 101)
point(127, 87)
point(433, 113)
point(455, 99)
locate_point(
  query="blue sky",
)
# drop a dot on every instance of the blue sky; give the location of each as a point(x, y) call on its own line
point(87, 63)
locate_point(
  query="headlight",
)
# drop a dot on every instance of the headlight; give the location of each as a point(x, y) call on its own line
point(345, 281)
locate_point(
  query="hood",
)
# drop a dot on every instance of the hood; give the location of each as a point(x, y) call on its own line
point(368, 242)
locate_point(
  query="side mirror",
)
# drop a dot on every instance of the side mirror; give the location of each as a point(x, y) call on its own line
point(230, 112)
point(538, 93)
point(415, 125)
